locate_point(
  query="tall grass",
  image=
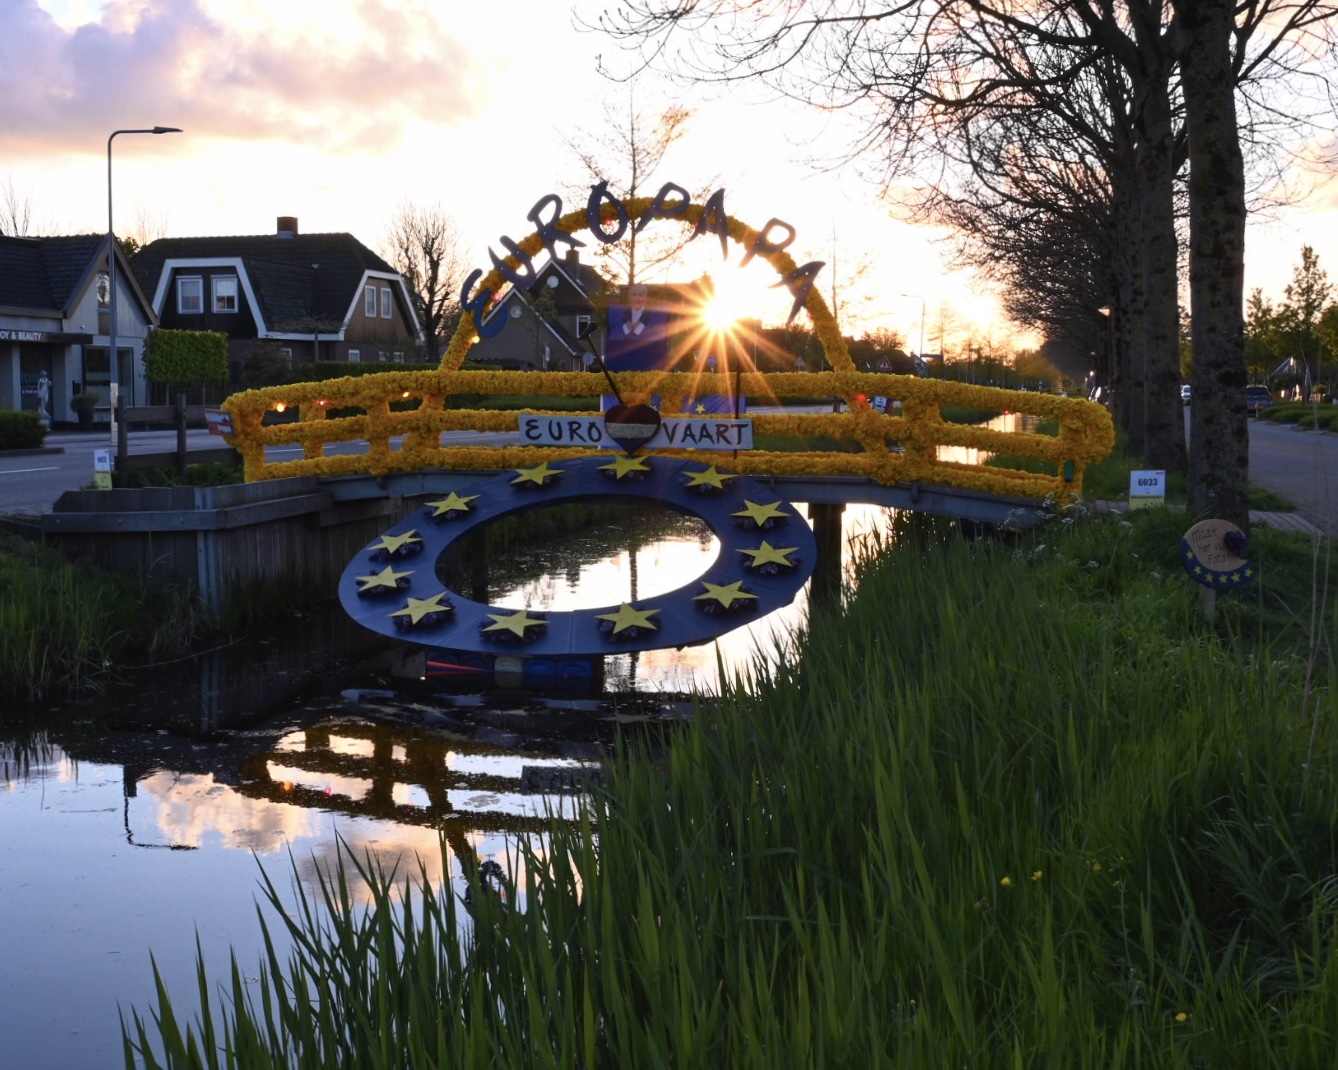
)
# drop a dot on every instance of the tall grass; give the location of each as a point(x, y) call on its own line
point(1014, 805)
point(63, 624)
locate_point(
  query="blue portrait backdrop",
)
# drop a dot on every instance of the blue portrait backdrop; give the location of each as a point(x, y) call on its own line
point(637, 339)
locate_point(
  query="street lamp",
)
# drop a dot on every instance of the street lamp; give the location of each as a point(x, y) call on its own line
point(915, 297)
point(111, 264)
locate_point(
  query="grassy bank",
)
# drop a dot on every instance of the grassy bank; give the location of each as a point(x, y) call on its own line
point(64, 624)
point(1017, 805)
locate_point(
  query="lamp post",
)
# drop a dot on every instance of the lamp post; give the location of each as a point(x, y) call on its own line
point(111, 266)
point(918, 297)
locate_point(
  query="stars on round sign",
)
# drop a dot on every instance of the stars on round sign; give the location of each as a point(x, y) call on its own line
point(396, 545)
point(513, 626)
point(537, 476)
point(711, 478)
point(728, 595)
point(628, 619)
point(423, 611)
point(622, 464)
point(449, 507)
point(761, 516)
point(384, 582)
point(768, 558)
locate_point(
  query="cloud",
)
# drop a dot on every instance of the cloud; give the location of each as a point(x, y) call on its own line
point(175, 63)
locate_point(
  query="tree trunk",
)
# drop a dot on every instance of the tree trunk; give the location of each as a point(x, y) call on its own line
point(1219, 437)
point(1163, 418)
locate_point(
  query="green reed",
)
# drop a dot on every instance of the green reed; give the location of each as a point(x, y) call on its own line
point(63, 625)
point(1015, 804)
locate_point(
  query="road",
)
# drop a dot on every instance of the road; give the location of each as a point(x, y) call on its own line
point(1299, 465)
point(31, 483)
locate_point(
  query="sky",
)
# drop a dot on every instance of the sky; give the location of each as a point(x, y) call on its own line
point(336, 111)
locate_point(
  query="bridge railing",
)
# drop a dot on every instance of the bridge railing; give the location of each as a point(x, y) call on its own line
point(402, 416)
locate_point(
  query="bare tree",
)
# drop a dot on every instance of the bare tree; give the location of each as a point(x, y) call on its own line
point(425, 247)
point(16, 209)
point(628, 153)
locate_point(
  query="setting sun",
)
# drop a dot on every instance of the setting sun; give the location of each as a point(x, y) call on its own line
point(746, 293)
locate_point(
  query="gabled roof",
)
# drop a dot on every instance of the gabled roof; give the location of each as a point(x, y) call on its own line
point(46, 274)
point(299, 277)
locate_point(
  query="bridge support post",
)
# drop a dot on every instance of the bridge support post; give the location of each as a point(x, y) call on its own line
point(826, 584)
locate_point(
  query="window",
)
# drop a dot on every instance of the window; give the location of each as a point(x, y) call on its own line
point(582, 325)
point(104, 290)
point(190, 295)
point(225, 293)
point(381, 355)
point(385, 302)
point(355, 356)
point(286, 352)
point(369, 301)
point(398, 356)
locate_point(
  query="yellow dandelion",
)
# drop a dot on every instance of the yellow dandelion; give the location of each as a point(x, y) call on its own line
point(1007, 882)
point(1096, 867)
point(1182, 1017)
point(1037, 874)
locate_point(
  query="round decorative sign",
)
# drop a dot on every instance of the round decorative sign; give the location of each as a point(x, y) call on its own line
point(767, 552)
point(1211, 553)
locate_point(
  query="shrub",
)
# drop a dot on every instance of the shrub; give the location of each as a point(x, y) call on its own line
point(20, 431)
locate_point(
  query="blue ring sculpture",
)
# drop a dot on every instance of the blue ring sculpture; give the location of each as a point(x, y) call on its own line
point(767, 553)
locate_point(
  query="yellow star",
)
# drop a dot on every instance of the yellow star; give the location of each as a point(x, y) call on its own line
point(1249, 572)
point(1235, 577)
point(387, 577)
point(766, 554)
point(452, 503)
point(701, 409)
point(709, 478)
point(392, 544)
point(760, 514)
point(1189, 555)
point(418, 608)
point(513, 622)
point(724, 594)
point(623, 464)
point(538, 474)
point(627, 617)
point(1198, 570)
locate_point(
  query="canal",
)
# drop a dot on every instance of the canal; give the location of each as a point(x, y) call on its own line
point(138, 824)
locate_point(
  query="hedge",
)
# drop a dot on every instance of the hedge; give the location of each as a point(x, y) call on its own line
point(20, 431)
point(186, 356)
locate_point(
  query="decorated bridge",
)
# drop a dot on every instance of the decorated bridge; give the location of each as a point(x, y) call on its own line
point(891, 445)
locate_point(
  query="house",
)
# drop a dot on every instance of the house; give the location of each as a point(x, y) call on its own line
point(55, 324)
point(303, 297)
point(542, 324)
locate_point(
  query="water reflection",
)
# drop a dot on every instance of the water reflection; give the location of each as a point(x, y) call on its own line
point(1013, 422)
point(134, 825)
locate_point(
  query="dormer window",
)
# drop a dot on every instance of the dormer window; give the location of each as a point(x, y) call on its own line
point(225, 293)
point(369, 302)
point(104, 290)
point(385, 302)
point(190, 295)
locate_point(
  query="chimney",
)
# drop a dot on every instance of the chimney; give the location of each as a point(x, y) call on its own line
point(287, 226)
point(573, 258)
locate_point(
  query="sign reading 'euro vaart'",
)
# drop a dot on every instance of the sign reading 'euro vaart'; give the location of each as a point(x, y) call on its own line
point(682, 433)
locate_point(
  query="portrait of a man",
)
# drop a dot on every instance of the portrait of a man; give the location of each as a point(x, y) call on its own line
point(638, 336)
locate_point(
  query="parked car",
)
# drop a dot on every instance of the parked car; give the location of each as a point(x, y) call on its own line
point(1184, 394)
point(1257, 397)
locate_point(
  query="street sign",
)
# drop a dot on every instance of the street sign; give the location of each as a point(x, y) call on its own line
point(102, 469)
point(1147, 488)
point(220, 423)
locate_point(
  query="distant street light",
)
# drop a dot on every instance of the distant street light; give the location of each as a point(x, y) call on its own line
point(111, 266)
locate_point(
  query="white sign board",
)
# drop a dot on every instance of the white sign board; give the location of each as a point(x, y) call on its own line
point(681, 433)
point(1147, 487)
point(102, 469)
point(220, 422)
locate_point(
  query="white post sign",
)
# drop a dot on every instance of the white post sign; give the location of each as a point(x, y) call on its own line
point(1146, 488)
point(102, 469)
